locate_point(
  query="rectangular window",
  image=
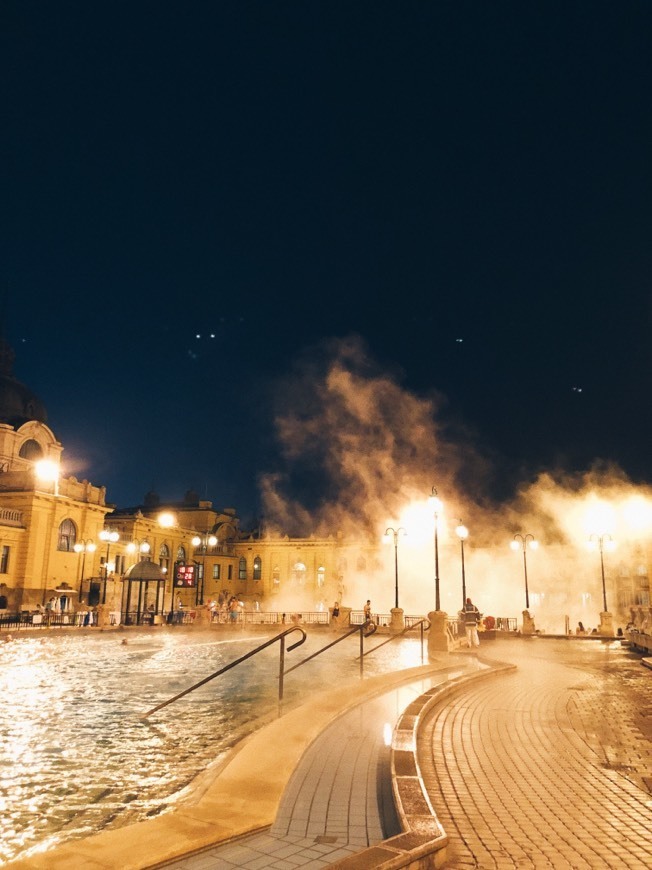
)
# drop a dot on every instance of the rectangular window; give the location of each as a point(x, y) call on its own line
point(230, 572)
point(4, 561)
point(216, 572)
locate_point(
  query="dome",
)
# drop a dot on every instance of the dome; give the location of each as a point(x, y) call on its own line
point(18, 404)
point(143, 571)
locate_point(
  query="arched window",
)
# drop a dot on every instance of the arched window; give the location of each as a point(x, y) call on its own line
point(164, 557)
point(276, 576)
point(67, 536)
point(181, 554)
point(31, 450)
point(258, 568)
point(299, 573)
point(321, 574)
point(242, 568)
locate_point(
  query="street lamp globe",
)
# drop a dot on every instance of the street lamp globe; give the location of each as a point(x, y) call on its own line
point(142, 547)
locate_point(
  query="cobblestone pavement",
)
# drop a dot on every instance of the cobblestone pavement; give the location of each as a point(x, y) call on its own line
point(547, 766)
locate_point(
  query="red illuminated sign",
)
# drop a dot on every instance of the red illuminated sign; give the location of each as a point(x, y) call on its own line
point(185, 576)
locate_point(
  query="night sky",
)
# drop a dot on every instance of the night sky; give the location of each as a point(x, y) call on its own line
point(466, 186)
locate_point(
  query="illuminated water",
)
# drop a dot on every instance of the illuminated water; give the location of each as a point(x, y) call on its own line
point(75, 756)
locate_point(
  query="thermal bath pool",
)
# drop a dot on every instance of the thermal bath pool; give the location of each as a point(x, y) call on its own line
point(75, 755)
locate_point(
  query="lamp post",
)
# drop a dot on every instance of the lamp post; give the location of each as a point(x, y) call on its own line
point(462, 533)
point(395, 533)
point(526, 541)
point(84, 547)
point(140, 547)
point(603, 541)
point(110, 537)
point(437, 506)
point(203, 541)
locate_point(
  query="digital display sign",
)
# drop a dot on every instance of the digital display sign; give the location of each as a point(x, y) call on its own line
point(185, 576)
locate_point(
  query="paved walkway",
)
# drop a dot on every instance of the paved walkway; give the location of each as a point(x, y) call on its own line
point(338, 801)
point(548, 766)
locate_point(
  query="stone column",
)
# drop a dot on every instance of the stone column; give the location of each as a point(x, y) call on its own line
point(606, 627)
point(103, 615)
point(397, 622)
point(438, 639)
point(528, 623)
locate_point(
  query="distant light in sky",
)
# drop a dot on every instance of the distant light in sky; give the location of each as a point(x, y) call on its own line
point(577, 389)
point(459, 340)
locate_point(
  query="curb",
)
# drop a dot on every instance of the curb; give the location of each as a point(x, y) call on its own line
point(423, 842)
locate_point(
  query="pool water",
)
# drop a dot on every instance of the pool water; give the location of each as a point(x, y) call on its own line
point(76, 756)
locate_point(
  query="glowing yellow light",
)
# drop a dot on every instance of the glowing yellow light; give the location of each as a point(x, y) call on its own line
point(47, 470)
point(637, 513)
point(599, 518)
point(166, 520)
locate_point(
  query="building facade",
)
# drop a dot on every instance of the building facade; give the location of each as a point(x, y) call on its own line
point(62, 543)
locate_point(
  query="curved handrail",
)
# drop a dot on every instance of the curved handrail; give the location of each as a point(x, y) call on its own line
point(365, 631)
point(424, 625)
point(279, 637)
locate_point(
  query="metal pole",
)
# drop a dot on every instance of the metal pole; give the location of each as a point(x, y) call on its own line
point(106, 573)
point(281, 673)
point(81, 579)
point(463, 575)
point(396, 569)
point(527, 593)
point(437, 603)
point(604, 587)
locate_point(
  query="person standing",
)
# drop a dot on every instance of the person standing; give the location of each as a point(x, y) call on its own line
point(369, 626)
point(471, 616)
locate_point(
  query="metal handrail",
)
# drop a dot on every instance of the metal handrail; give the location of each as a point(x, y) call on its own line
point(279, 637)
point(423, 624)
point(365, 630)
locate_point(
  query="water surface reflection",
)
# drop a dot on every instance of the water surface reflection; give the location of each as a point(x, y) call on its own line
point(75, 756)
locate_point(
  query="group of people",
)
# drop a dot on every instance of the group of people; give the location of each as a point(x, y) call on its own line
point(226, 608)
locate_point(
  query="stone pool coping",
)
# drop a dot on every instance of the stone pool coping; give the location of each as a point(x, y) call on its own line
point(422, 842)
point(235, 797)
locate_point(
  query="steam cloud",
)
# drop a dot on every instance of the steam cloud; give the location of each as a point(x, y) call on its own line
point(359, 450)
